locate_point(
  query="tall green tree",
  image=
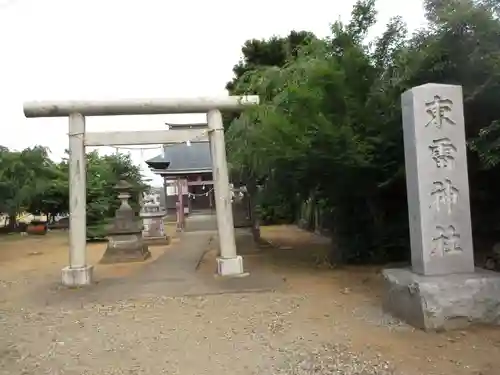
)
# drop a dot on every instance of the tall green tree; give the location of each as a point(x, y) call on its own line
point(263, 53)
point(31, 181)
point(23, 174)
point(329, 124)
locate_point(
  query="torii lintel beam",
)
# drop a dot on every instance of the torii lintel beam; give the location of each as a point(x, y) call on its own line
point(137, 106)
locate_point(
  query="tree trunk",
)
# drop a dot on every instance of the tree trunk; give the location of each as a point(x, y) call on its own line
point(317, 221)
point(254, 215)
point(12, 222)
point(311, 212)
point(337, 256)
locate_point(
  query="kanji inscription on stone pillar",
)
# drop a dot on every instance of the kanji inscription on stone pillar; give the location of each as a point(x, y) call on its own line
point(437, 180)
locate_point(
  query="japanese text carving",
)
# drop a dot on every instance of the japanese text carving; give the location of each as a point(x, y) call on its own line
point(443, 151)
point(445, 194)
point(446, 241)
point(439, 109)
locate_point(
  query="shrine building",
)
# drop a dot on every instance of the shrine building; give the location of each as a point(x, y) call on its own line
point(187, 168)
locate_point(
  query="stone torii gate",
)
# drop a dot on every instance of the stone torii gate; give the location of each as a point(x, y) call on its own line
point(80, 273)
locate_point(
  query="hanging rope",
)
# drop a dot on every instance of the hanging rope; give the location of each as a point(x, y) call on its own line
point(206, 193)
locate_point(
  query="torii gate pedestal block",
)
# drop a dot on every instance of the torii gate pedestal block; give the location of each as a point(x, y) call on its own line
point(77, 276)
point(125, 243)
point(231, 267)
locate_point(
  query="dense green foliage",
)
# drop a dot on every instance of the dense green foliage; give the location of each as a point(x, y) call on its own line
point(329, 125)
point(30, 181)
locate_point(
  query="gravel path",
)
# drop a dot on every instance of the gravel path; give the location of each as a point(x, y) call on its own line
point(221, 334)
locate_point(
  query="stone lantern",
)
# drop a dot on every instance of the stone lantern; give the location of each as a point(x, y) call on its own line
point(153, 231)
point(125, 243)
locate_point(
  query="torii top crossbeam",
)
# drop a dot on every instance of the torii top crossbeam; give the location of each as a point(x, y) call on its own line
point(137, 106)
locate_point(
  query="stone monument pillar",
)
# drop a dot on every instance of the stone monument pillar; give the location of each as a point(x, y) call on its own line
point(125, 242)
point(153, 231)
point(442, 290)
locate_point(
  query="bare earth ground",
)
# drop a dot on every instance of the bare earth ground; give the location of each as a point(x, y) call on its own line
point(323, 322)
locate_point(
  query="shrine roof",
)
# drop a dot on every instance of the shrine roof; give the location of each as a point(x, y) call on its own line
point(183, 159)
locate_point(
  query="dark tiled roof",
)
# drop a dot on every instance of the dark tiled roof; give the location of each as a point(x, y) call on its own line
point(157, 159)
point(184, 158)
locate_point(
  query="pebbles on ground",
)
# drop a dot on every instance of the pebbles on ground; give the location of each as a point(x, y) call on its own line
point(225, 334)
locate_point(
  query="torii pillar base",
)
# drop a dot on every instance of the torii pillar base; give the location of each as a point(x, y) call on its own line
point(231, 267)
point(74, 277)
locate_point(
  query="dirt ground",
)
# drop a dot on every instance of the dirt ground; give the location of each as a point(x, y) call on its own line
point(319, 304)
point(40, 257)
point(353, 294)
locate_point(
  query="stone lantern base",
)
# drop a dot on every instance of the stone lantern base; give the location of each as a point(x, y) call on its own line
point(125, 242)
point(157, 241)
point(153, 232)
point(123, 248)
point(153, 227)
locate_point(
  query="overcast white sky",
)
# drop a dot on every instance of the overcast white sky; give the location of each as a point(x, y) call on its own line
point(109, 49)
